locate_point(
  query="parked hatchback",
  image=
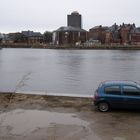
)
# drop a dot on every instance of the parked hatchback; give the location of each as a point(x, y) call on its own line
point(117, 94)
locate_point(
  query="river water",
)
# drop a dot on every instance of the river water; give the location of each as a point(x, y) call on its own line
point(65, 71)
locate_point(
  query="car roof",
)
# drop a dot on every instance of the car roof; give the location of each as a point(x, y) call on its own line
point(119, 82)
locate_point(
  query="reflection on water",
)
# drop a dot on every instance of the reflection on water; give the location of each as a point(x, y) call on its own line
point(66, 71)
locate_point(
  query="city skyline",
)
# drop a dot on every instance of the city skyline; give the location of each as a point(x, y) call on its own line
point(42, 15)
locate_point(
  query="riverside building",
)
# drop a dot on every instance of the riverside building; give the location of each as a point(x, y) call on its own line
point(71, 34)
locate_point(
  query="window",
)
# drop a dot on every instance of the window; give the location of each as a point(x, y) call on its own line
point(114, 90)
point(131, 90)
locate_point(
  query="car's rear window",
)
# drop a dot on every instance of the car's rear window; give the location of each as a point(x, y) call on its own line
point(131, 91)
point(114, 90)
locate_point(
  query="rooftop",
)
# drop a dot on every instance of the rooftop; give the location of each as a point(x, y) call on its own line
point(75, 13)
point(31, 33)
point(69, 28)
point(100, 26)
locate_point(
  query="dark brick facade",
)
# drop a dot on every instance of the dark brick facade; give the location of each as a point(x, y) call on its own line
point(123, 34)
point(33, 37)
point(134, 38)
point(69, 35)
point(98, 33)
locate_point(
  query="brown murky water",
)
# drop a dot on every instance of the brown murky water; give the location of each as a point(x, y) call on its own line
point(66, 71)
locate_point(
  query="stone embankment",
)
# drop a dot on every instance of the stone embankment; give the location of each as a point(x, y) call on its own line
point(48, 46)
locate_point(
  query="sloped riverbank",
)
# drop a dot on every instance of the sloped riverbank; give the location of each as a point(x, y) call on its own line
point(30, 101)
point(38, 117)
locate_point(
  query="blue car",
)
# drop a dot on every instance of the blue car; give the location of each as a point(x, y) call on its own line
point(117, 94)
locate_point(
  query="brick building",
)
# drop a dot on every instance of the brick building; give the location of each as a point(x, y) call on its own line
point(98, 33)
point(71, 34)
point(129, 34)
point(123, 34)
point(134, 36)
point(33, 37)
point(113, 35)
point(124, 31)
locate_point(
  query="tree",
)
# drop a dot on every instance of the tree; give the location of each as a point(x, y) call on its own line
point(0, 40)
point(19, 38)
point(47, 37)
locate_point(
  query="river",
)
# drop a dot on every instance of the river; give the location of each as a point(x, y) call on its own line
point(65, 71)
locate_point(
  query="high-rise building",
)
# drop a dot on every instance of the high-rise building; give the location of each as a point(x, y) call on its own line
point(74, 20)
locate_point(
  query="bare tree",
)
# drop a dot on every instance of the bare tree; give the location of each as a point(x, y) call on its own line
point(19, 85)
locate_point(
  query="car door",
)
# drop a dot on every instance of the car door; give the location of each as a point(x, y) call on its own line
point(113, 95)
point(131, 95)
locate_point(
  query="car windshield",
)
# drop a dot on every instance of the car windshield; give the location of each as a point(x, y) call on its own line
point(100, 85)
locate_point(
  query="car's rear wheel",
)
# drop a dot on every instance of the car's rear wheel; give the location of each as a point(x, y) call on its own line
point(103, 106)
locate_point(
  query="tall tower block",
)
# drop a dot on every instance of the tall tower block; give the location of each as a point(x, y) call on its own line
point(74, 20)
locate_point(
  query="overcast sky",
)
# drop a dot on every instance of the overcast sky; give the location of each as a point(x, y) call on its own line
point(42, 15)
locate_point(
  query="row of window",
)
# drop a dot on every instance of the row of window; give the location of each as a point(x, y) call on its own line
point(127, 90)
